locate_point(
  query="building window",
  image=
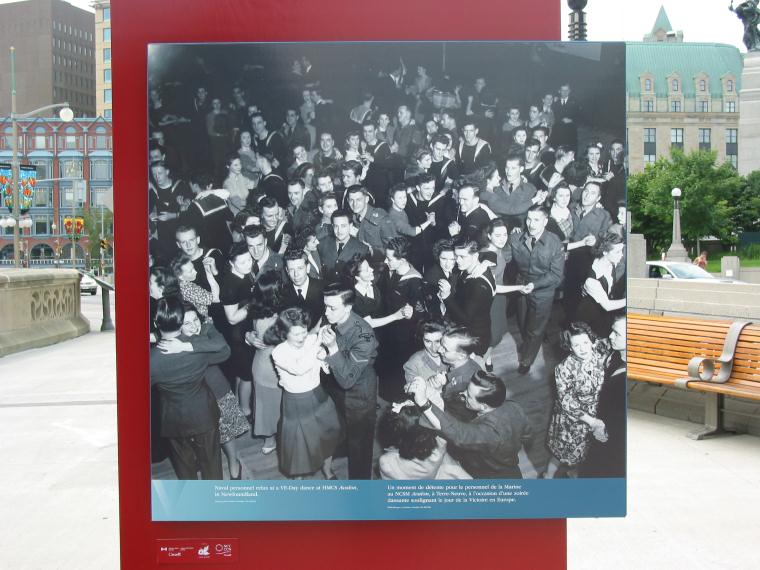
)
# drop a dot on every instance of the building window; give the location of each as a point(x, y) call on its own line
point(703, 106)
point(730, 85)
point(647, 85)
point(106, 95)
point(650, 145)
point(106, 54)
point(41, 225)
point(704, 139)
point(100, 197)
point(732, 146)
point(106, 14)
point(40, 142)
point(100, 169)
point(675, 106)
point(107, 75)
point(106, 113)
point(647, 106)
point(676, 138)
point(106, 34)
point(702, 85)
point(43, 197)
point(67, 197)
point(674, 85)
point(730, 106)
point(71, 168)
point(43, 169)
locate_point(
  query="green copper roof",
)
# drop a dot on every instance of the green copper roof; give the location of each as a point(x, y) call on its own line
point(687, 59)
point(662, 21)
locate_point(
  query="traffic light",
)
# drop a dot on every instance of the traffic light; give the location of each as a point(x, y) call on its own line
point(104, 244)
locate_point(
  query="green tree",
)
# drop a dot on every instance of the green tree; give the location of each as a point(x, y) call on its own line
point(706, 200)
point(96, 230)
point(746, 204)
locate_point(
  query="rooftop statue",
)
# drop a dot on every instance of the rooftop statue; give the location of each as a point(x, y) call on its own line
point(749, 14)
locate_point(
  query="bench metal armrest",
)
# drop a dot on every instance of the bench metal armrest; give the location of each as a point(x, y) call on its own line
point(726, 361)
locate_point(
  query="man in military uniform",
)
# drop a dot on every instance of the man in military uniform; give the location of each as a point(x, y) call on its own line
point(351, 351)
point(372, 225)
point(540, 259)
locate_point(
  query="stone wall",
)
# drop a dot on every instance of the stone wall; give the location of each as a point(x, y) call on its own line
point(707, 300)
point(39, 307)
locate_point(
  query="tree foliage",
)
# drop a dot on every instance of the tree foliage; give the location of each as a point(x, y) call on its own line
point(710, 198)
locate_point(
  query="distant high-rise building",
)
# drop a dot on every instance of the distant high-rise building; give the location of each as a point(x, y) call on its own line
point(103, 57)
point(55, 56)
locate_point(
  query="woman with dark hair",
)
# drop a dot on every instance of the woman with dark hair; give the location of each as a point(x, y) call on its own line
point(266, 304)
point(601, 301)
point(238, 185)
point(446, 269)
point(368, 302)
point(402, 290)
point(579, 379)
point(232, 421)
point(305, 172)
point(412, 451)
point(244, 218)
point(161, 283)
point(248, 157)
point(310, 430)
point(427, 362)
point(184, 270)
point(562, 218)
point(595, 169)
point(189, 412)
point(497, 233)
point(236, 292)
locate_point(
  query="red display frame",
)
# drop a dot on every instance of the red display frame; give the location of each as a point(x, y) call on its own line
point(366, 545)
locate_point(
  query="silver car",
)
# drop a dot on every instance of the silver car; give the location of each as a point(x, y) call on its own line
point(683, 271)
point(88, 285)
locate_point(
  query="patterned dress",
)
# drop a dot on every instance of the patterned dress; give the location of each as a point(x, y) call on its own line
point(578, 386)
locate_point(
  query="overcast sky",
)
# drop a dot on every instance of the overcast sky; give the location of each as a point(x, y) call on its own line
point(609, 20)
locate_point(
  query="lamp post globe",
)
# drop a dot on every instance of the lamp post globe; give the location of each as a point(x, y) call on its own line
point(576, 5)
point(66, 114)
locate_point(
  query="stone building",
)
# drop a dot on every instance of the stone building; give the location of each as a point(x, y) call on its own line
point(682, 95)
point(82, 148)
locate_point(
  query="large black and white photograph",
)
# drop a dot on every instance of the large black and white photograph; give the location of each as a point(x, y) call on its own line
point(396, 261)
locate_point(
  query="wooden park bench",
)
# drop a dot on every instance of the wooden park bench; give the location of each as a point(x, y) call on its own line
point(718, 358)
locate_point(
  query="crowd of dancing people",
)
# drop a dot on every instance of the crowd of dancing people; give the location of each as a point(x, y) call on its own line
point(342, 274)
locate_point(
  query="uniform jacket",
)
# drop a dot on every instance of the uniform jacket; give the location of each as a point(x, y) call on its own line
point(544, 265)
point(353, 364)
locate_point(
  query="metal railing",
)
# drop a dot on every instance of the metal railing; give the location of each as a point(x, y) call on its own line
point(105, 297)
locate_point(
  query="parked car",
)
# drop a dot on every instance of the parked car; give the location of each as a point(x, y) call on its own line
point(88, 285)
point(683, 271)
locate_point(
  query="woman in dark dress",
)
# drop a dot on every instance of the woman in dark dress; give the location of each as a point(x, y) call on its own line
point(161, 283)
point(602, 296)
point(445, 268)
point(402, 291)
point(236, 294)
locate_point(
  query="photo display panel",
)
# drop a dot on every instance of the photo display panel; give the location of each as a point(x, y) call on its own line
point(387, 280)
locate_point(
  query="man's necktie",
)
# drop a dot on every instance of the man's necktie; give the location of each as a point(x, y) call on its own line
point(532, 243)
point(511, 188)
point(300, 293)
point(255, 267)
point(340, 248)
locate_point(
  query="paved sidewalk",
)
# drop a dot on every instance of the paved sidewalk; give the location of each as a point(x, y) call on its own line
point(691, 504)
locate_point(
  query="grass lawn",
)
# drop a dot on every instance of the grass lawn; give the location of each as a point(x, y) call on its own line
point(713, 264)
